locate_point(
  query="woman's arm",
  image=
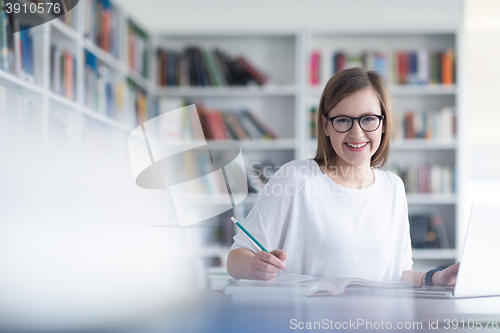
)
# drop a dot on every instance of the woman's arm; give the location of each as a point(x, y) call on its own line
point(412, 277)
point(238, 263)
point(446, 277)
point(243, 264)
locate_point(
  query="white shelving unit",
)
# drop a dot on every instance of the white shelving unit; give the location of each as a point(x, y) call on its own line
point(57, 32)
point(284, 103)
point(278, 103)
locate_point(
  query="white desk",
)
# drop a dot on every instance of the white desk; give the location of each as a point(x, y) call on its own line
point(211, 311)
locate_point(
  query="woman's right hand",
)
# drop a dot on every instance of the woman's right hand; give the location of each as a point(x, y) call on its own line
point(265, 266)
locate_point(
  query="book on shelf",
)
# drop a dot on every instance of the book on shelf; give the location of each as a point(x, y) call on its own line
point(63, 71)
point(7, 44)
point(102, 25)
point(304, 285)
point(258, 174)
point(439, 125)
point(175, 127)
point(70, 17)
point(104, 92)
point(313, 115)
point(137, 49)
point(218, 233)
point(225, 230)
point(137, 106)
point(195, 66)
point(411, 67)
point(17, 50)
point(428, 231)
point(216, 124)
point(26, 53)
point(426, 178)
point(197, 164)
point(315, 68)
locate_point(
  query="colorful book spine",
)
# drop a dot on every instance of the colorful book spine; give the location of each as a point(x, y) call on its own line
point(102, 25)
point(69, 17)
point(402, 67)
point(17, 53)
point(439, 124)
point(137, 49)
point(5, 29)
point(313, 114)
point(215, 124)
point(103, 92)
point(138, 104)
point(195, 66)
point(63, 69)
point(425, 178)
point(314, 68)
point(428, 231)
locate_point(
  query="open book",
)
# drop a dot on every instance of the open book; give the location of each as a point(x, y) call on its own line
point(292, 284)
point(337, 286)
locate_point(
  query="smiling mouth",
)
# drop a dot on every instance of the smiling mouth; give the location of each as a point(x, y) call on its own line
point(360, 145)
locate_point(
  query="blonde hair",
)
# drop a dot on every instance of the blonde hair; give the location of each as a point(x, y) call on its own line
point(342, 85)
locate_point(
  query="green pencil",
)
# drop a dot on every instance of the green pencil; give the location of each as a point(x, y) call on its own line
point(248, 234)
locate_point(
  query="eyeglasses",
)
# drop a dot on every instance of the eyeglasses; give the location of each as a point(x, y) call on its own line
point(368, 123)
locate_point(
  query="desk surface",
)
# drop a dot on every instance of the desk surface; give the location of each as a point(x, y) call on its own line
point(212, 311)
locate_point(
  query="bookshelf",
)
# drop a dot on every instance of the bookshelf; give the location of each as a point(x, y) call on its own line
point(129, 92)
point(277, 102)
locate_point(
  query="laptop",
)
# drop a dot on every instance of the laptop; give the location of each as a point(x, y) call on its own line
point(479, 270)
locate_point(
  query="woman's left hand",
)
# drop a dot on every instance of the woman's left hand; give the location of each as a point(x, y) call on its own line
point(446, 277)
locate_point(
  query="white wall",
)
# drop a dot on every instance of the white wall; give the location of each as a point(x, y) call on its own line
point(169, 16)
point(482, 79)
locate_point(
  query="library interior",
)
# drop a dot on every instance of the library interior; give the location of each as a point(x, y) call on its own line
point(88, 90)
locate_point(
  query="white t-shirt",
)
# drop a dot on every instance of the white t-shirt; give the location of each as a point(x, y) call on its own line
point(329, 230)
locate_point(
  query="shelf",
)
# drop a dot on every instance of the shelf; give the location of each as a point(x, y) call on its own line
point(63, 100)
point(407, 90)
point(21, 82)
point(276, 144)
point(255, 91)
point(66, 30)
point(106, 119)
point(430, 254)
point(423, 144)
point(139, 79)
point(108, 59)
point(104, 56)
point(420, 90)
point(79, 108)
point(431, 199)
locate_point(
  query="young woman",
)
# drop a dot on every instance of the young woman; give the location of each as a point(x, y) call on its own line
point(338, 214)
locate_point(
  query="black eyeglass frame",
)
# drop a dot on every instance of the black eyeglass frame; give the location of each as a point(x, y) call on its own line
point(380, 118)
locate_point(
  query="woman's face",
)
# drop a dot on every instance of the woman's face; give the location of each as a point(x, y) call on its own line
point(356, 146)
